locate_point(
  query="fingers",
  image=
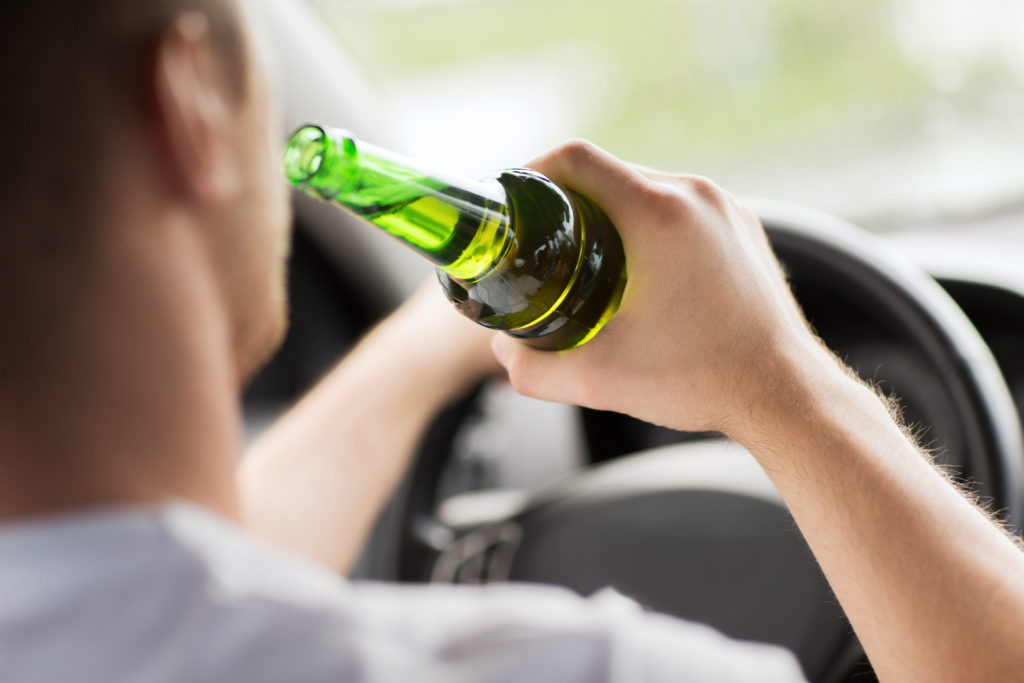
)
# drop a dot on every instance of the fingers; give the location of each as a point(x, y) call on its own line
point(636, 198)
point(548, 375)
point(602, 177)
point(617, 187)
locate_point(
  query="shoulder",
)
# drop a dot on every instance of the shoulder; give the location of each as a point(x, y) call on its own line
point(210, 603)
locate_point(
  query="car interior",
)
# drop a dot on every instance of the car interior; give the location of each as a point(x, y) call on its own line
point(930, 307)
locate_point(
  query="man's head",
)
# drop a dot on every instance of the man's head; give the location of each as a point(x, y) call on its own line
point(155, 110)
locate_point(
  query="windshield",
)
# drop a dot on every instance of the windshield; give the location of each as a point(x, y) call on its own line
point(882, 111)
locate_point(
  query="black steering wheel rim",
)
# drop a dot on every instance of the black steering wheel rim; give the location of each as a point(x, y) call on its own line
point(946, 335)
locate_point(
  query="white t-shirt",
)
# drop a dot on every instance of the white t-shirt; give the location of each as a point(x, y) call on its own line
point(173, 593)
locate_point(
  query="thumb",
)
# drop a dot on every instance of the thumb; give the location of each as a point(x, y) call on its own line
point(547, 375)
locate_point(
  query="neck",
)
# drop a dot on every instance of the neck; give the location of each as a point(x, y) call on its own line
point(132, 396)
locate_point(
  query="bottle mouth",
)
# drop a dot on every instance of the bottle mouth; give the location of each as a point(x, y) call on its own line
point(304, 153)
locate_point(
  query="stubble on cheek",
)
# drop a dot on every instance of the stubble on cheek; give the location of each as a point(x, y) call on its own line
point(277, 316)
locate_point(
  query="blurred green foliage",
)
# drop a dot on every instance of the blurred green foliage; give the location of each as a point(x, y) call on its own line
point(718, 85)
point(707, 72)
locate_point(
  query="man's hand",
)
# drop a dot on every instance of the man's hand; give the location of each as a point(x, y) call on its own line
point(318, 479)
point(709, 337)
point(706, 317)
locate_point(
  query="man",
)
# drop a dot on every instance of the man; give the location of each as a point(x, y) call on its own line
point(142, 233)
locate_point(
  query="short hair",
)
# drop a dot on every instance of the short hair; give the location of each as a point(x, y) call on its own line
point(69, 70)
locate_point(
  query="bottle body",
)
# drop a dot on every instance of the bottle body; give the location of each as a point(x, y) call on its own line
point(562, 275)
point(514, 252)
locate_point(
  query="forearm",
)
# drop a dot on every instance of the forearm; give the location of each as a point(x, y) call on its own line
point(318, 479)
point(934, 590)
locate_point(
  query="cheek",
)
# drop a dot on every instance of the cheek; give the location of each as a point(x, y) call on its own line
point(269, 199)
point(278, 195)
point(266, 204)
point(279, 215)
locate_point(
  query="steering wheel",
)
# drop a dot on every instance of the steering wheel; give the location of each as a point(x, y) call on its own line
point(687, 523)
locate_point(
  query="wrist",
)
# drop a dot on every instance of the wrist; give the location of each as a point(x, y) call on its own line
point(791, 384)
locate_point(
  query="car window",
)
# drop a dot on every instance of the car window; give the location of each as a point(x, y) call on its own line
point(880, 110)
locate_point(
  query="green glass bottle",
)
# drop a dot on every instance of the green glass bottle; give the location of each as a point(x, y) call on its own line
point(514, 251)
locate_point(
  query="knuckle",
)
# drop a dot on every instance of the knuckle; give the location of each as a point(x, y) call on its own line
point(706, 190)
point(566, 158)
point(665, 204)
point(519, 375)
point(685, 199)
point(576, 151)
point(746, 211)
point(589, 392)
point(517, 382)
point(750, 216)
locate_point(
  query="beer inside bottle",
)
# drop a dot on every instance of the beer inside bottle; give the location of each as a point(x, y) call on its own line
point(514, 252)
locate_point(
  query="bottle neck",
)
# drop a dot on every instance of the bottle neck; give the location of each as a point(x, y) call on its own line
point(461, 226)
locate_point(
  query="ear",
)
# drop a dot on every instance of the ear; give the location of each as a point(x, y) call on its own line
point(194, 110)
